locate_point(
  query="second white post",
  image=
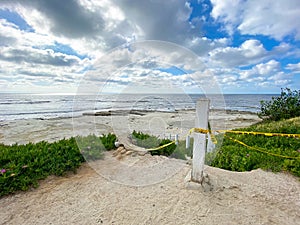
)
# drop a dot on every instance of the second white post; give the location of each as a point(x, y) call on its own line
point(199, 148)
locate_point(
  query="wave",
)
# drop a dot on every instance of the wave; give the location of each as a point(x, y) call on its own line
point(24, 102)
point(42, 112)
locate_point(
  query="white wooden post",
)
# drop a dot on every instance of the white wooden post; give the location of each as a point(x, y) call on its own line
point(199, 147)
point(187, 141)
point(176, 139)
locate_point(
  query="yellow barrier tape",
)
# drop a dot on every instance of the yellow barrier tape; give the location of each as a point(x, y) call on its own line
point(262, 150)
point(198, 130)
point(204, 131)
point(258, 133)
point(214, 140)
point(160, 147)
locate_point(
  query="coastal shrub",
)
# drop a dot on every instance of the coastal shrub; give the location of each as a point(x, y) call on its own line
point(286, 106)
point(233, 156)
point(90, 147)
point(140, 135)
point(166, 151)
point(21, 166)
point(145, 140)
point(108, 141)
point(149, 141)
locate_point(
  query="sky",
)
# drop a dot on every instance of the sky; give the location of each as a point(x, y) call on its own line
point(227, 46)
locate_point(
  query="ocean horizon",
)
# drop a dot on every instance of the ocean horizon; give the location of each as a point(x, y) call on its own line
point(47, 106)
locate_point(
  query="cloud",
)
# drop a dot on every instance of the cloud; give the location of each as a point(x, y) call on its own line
point(261, 70)
point(92, 27)
point(265, 72)
point(36, 56)
point(267, 68)
point(281, 79)
point(161, 20)
point(295, 68)
point(276, 19)
point(64, 39)
point(67, 18)
point(227, 12)
point(146, 66)
point(251, 51)
point(203, 45)
point(85, 25)
point(263, 75)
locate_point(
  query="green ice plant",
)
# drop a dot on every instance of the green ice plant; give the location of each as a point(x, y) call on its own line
point(22, 166)
point(149, 141)
point(233, 156)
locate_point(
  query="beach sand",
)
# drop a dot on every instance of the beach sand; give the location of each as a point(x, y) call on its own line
point(108, 191)
point(156, 123)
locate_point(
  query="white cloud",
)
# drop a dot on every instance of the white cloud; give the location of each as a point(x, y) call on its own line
point(203, 45)
point(276, 19)
point(264, 75)
point(227, 12)
point(251, 51)
point(281, 79)
point(294, 67)
point(268, 68)
point(261, 70)
point(160, 20)
point(229, 79)
point(37, 56)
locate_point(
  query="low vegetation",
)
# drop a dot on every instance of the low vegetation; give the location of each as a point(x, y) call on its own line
point(149, 141)
point(233, 156)
point(275, 153)
point(22, 166)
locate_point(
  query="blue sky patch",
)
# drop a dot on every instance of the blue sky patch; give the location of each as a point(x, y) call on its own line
point(174, 70)
point(65, 49)
point(16, 19)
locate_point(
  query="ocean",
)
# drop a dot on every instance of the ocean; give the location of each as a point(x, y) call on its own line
point(43, 106)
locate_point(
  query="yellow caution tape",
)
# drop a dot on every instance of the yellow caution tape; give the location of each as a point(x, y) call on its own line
point(198, 130)
point(262, 150)
point(259, 133)
point(214, 140)
point(204, 131)
point(160, 147)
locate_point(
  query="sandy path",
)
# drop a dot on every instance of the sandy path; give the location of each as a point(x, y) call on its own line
point(255, 197)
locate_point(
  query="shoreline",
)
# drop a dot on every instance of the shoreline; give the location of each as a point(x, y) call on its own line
point(118, 122)
point(125, 112)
